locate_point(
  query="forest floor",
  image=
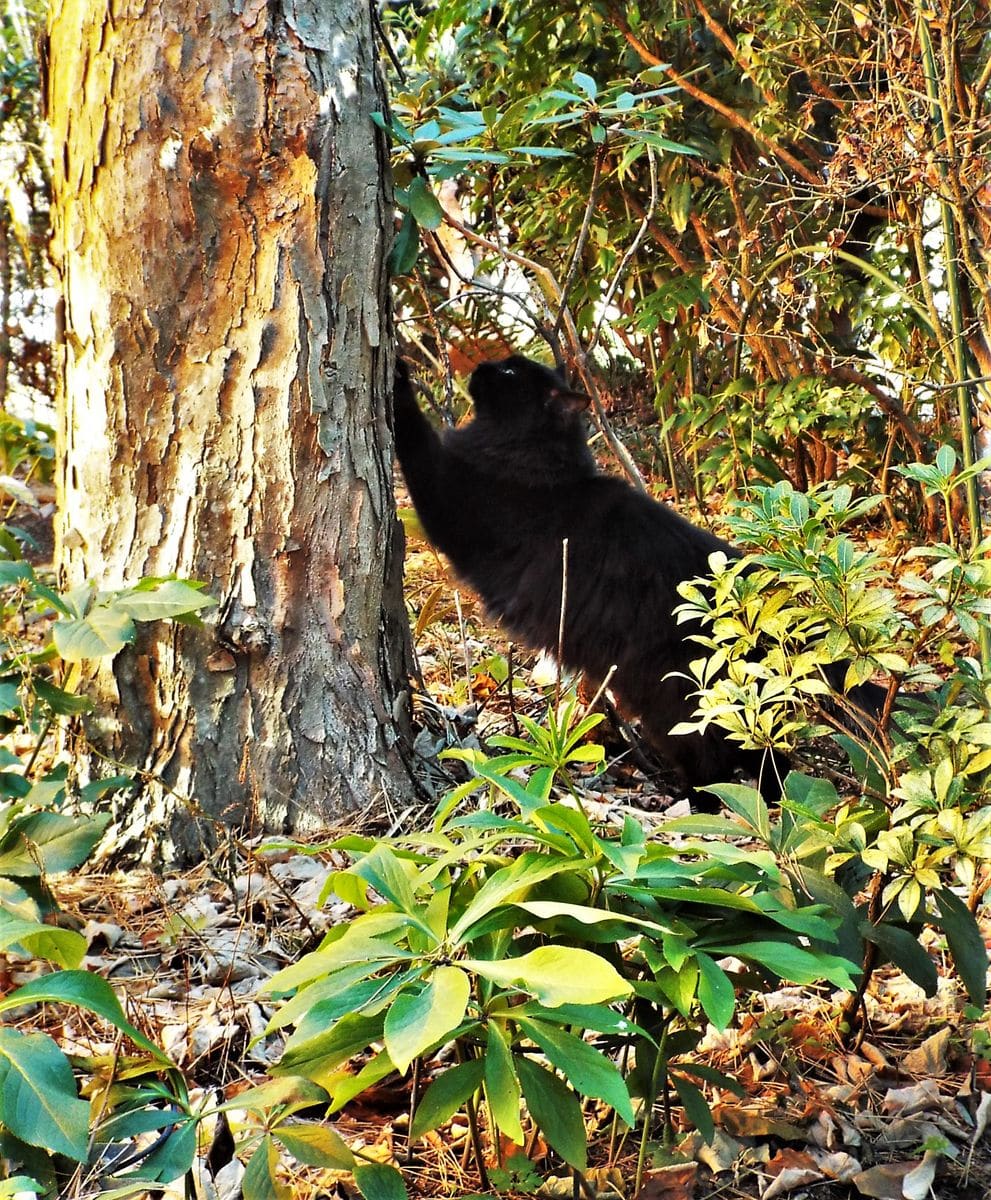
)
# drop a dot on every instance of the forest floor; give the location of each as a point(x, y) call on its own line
point(900, 1114)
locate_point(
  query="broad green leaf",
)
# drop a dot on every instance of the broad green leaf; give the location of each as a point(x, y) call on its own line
point(10, 697)
point(715, 991)
point(170, 598)
point(585, 1068)
point(347, 951)
point(502, 1085)
point(794, 963)
point(261, 1180)
point(385, 872)
point(18, 1184)
point(556, 1111)
point(103, 631)
point(423, 204)
point(557, 975)
point(288, 1092)
point(696, 1108)
point(315, 1056)
point(174, 1158)
point(14, 572)
point(65, 704)
point(546, 910)
point(446, 1095)
point(586, 83)
point(316, 1145)
point(63, 842)
point(595, 1017)
point(379, 1181)
point(38, 1101)
point(416, 1021)
point(405, 246)
point(963, 936)
point(905, 952)
point(62, 946)
point(85, 990)
point(506, 886)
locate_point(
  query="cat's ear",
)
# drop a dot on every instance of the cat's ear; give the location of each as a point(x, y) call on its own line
point(569, 401)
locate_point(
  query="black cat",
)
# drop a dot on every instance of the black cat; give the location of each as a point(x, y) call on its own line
point(499, 495)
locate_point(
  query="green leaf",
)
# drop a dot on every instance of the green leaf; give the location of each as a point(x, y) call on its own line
point(556, 1111)
point(14, 572)
point(416, 1021)
point(261, 1181)
point(585, 1068)
point(715, 991)
point(963, 936)
point(64, 704)
point(316, 1145)
point(63, 842)
point(38, 1101)
point(794, 963)
point(174, 1158)
point(506, 886)
point(905, 952)
point(385, 872)
point(556, 975)
point(62, 946)
point(103, 631)
point(10, 697)
point(502, 1085)
point(586, 83)
point(423, 204)
point(445, 1096)
point(379, 1181)
point(405, 247)
point(85, 990)
point(287, 1092)
point(168, 598)
point(696, 1108)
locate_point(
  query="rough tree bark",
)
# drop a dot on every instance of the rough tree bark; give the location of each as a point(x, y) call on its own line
point(221, 221)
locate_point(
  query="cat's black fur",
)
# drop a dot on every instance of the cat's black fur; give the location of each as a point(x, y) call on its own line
point(499, 495)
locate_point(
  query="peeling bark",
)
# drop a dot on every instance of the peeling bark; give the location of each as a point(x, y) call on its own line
point(221, 223)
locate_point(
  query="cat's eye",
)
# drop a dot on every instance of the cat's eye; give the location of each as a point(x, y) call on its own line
point(509, 369)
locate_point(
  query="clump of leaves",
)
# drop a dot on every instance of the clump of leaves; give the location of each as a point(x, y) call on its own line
point(777, 626)
point(43, 1122)
point(561, 963)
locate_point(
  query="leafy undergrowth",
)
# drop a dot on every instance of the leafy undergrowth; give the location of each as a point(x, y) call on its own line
point(789, 1101)
point(188, 955)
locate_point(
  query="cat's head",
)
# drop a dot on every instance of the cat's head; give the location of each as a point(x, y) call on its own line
point(519, 391)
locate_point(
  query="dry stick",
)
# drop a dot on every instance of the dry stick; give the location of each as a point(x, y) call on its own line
point(560, 626)
point(648, 216)
point(464, 642)
point(569, 278)
point(730, 114)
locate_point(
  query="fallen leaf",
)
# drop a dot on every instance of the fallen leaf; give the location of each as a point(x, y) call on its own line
point(676, 1182)
point(905, 1101)
point(744, 1122)
point(917, 1184)
point(929, 1059)
point(838, 1165)
point(883, 1182)
point(790, 1179)
point(721, 1154)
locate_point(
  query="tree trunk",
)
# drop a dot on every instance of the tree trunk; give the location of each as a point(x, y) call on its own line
point(221, 222)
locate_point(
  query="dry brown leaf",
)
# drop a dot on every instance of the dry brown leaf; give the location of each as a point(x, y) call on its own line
point(884, 1182)
point(838, 1165)
point(744, 1122)
point(929, 1059)
point(903, 1102)
point(917, 1184)
point(792, 1178)
point(676, 1182)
